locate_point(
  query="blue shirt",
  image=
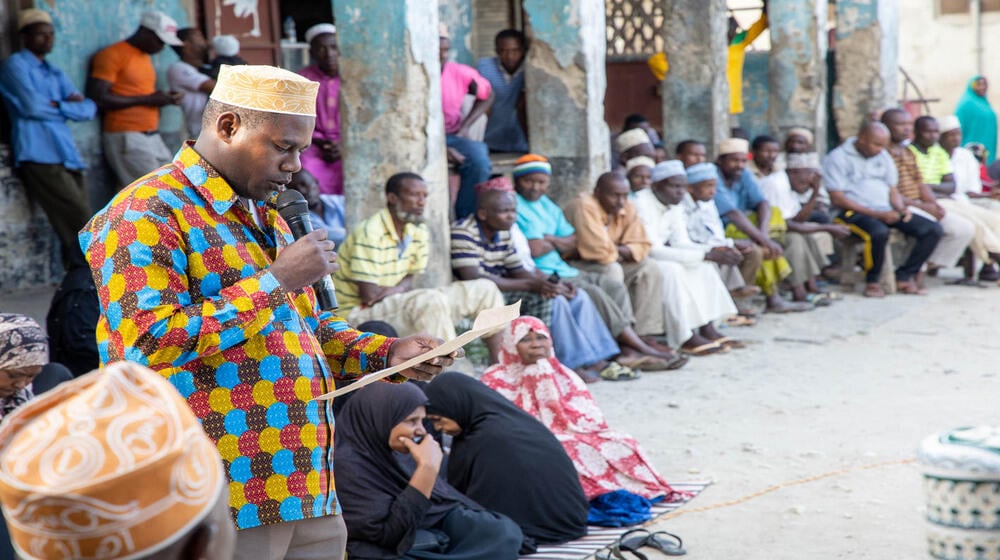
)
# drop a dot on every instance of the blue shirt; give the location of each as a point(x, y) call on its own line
point(744, 195)
point(538, 219)
point(40, 135)
point(503, 129)
point(330, 217)
point(865, 180)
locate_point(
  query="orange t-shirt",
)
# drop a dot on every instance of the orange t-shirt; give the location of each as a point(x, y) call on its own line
point(130, 72)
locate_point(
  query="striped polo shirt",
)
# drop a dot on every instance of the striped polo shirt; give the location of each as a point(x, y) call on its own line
point(469, 247)
point(933, 165)
point(374, 253)
point(910, 178)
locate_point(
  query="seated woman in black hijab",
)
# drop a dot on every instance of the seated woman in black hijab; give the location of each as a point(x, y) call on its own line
point(506, 460)
point(393, 503)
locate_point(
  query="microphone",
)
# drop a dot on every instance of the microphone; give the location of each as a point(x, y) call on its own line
point(294, 209)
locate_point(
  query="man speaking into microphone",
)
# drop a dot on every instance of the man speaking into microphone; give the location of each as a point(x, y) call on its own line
point(201, 280)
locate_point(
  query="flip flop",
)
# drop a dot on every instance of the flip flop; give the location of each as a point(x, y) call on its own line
point(910, 288)
point(818, 300)
point(631, 541)
point(677, 363)
point(740, 321)
point(971, 282)
point(667, 543)
point(730, 342)
point(617, 372)
point(703, 350)
point(874, 292)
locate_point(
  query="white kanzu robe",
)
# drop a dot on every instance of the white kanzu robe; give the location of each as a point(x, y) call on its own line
point(693, 291)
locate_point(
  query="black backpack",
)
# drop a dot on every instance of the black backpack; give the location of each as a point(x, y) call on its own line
point(72, 322)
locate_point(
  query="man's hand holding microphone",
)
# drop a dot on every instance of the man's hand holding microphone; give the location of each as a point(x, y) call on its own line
point(312, 258)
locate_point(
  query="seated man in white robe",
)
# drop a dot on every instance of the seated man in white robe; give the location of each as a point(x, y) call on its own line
point(693, 292)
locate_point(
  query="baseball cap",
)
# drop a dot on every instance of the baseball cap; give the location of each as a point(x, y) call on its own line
point(163, 25)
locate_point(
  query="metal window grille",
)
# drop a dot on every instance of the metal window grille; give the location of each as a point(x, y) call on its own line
point(635, 28)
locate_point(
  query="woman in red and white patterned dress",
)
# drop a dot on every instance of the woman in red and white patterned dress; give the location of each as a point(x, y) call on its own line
point(533, 379)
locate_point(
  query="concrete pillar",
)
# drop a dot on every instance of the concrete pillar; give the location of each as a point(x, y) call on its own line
point(867, 60)
point(695, 91)
point(391, 111)
point(797, 67)
point(565, 83)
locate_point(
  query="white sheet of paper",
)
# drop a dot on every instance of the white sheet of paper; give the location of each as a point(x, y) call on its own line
point(487, 320)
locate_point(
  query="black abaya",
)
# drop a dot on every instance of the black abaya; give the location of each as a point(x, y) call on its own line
point(508, 461)
point(382, 511)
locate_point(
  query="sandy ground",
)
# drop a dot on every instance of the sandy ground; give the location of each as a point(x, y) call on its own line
point(838, 389)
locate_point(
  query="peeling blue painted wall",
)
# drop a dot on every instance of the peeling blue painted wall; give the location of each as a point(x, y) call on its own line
point(456, 17)
point(84, 27)
point(556, 23)
point(855, 14)
point(755, 93)
point(29, 255)
point(373, 35)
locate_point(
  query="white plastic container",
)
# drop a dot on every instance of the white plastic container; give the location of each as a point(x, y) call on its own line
point(962, 488)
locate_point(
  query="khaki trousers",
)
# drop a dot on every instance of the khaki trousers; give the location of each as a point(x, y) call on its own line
point(319, 538)
point(134, 154)
point(986, 239)
point(804, 254)
point(636, 288)
point(432, 311)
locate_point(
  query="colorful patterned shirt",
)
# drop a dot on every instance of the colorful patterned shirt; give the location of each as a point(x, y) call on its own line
point(183, 278)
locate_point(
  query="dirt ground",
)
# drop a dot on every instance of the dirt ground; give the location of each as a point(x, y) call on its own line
point(845, 387)
point(836, 390)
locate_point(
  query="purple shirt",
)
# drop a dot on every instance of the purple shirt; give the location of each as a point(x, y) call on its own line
point(455, 81)
point(329, 175)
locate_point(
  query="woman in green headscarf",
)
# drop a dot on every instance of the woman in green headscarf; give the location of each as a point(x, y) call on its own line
point(979, 121)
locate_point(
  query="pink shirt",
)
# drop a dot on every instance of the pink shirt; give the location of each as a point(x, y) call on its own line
point(455, 80)
point(329, 175)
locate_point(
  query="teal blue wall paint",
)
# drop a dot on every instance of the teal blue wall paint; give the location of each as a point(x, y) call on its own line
point(853, 15)
point(374, 34)
point(755, 94)
point(551, 23)
point(84, 27)
point(456, 17)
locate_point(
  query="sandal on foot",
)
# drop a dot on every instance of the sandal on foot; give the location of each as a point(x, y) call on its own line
point(740, 321)
point(971, 282)
point(617, 372)
point(910, 288)
point(731, 343)
point(677, 362)
point(703, 350)
point(874, 292)
point(818, 300)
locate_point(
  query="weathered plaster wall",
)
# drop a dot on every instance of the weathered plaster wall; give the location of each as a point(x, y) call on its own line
point(943, 66)
point(392, 112)
point(756, 94)
point(565, 82)
point(456, 18)
point(865, 82)
point(28, 249)
point(695, 94)
point(797, 66)
point(83, 27)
